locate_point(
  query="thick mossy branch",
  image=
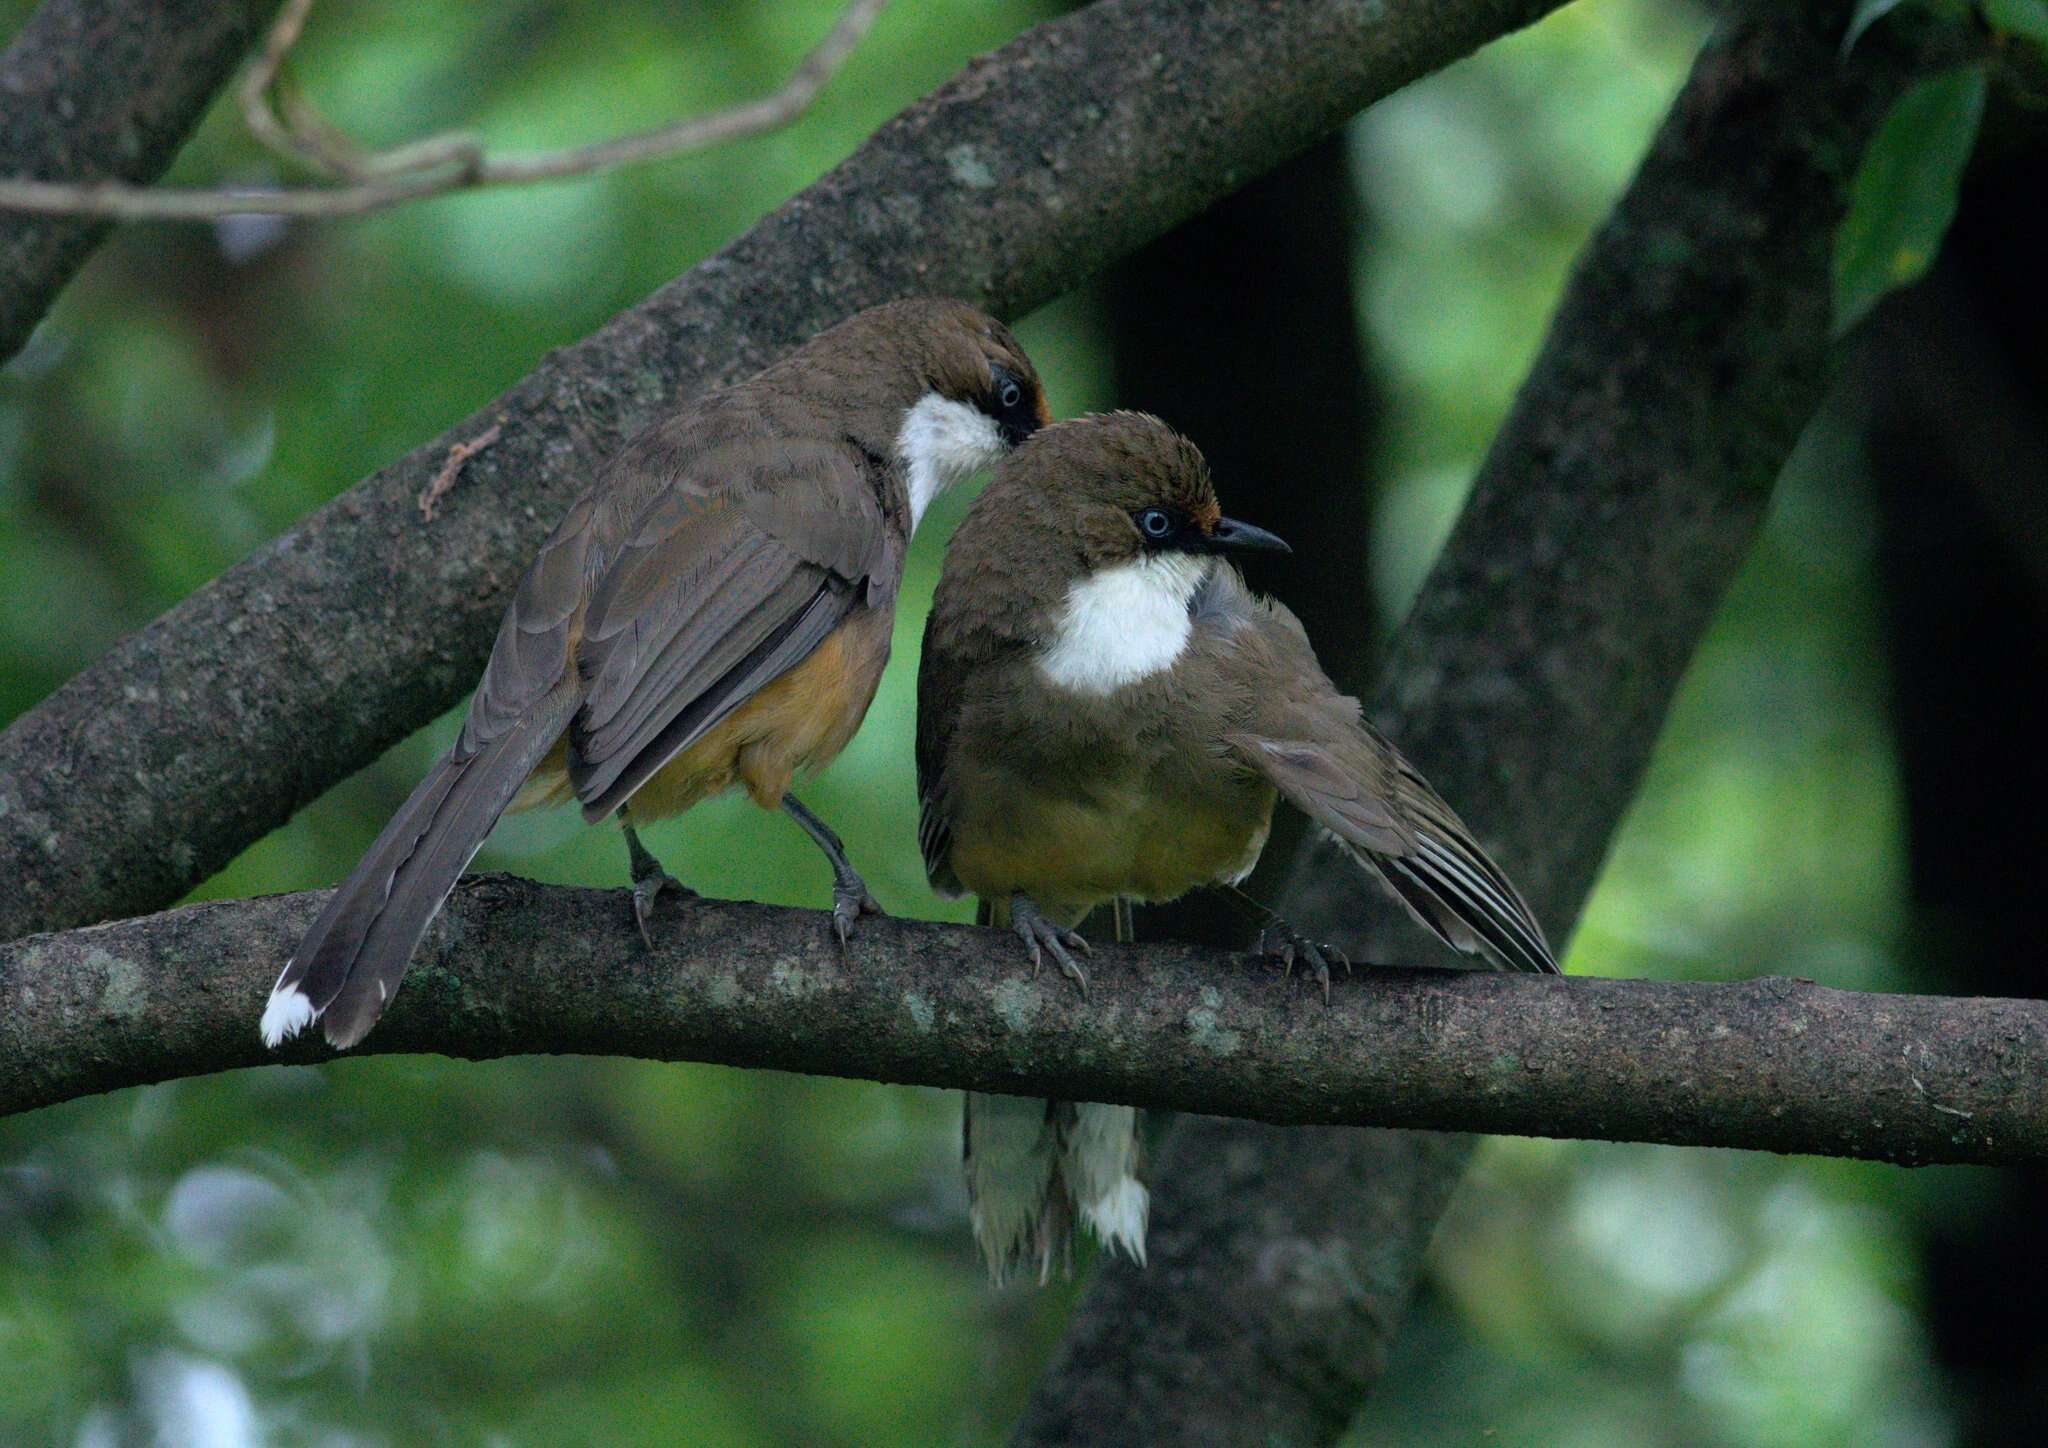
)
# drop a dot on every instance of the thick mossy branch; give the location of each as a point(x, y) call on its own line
point(516, 967)
point(1035, 167)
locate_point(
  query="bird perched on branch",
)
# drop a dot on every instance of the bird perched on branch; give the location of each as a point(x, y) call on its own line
point(1106, 712)
point(715, 611)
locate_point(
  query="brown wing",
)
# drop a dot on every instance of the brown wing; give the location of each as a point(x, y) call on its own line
point(960, 640)
point(1351, 799)
point(531, 654)
point(938, 705)
point(1388, 818)
point(720, 587)
point(1314, 745)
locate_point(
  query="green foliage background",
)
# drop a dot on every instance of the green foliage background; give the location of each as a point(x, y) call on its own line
point(568, 1251)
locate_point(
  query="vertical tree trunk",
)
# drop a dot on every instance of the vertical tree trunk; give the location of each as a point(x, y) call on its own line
point(1241, 329)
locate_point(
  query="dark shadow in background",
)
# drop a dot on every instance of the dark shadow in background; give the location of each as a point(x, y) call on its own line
point(1957, 441)
point(1241, 330)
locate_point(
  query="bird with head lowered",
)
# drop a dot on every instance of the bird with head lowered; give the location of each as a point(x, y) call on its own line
point(714, 612)
point(1106, 712)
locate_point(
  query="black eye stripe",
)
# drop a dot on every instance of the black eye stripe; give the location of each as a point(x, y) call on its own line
point(1010, 403)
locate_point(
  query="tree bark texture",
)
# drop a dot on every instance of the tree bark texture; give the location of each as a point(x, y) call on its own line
point(1529, 684)
point(514, 967)
point(1032, 169)
point(101, 90)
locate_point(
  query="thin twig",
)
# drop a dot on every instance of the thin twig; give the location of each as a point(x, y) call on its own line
point(435, 166)
point(252, 93)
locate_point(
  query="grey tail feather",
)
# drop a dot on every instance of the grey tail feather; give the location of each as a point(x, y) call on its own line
point(1033, 1166)
point(1011, 1149)
point(350, 963)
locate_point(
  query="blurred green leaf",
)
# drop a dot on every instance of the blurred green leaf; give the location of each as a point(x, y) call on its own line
point(1867, 14)
point(2028, 18)
point(1905, 192)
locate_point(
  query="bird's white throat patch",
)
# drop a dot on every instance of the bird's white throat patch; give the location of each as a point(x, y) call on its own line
point(1123, 623)
point(943, 442)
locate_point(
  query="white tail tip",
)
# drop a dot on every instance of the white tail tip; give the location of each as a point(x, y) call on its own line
point(1118, 1217)
point(290, 1011)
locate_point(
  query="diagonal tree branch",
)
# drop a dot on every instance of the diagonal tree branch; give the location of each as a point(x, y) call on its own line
point(1036, 166)
point(517, 967)
point(94, 89)
point(1529, 683)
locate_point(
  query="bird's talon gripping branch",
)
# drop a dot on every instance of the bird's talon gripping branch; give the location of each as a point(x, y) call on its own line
point(649, 880)
point(644, 894)
point(1040, 935)
point(850, 897)
point(1281, 942)
point(850, 901)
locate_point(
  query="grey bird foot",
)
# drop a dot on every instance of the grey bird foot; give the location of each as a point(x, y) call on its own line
point(850, 897)
point(1040, 935)
point(649, 880)
point(850, 901)
point(646, 891)
point(1283, 943)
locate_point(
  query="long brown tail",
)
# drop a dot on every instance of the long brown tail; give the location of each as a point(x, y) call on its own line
point(350, 964)
point(1032, 1166)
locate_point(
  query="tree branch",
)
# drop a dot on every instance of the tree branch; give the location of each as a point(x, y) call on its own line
point(1529, 683)
point(517, 967)
point(1036, 166)
point(96, 89)
point(437, 166)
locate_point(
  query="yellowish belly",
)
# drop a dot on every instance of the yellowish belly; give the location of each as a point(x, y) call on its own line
point(1081, 853)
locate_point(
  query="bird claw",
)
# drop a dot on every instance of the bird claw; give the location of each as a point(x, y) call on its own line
point(1040, 935)
point(647, 889)
point(850, 901)
point(649, 880)
point(1285, 944)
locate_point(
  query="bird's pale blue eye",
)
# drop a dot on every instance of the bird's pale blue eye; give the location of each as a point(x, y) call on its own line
point(1155, 523)
point(1012, 394)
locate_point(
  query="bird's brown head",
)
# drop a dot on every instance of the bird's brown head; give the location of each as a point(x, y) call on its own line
point(1120, 488)
point(1090, 548)
point(957, 389)
point(966, 356)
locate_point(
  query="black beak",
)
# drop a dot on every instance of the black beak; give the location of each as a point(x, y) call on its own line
point(1231, 536)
